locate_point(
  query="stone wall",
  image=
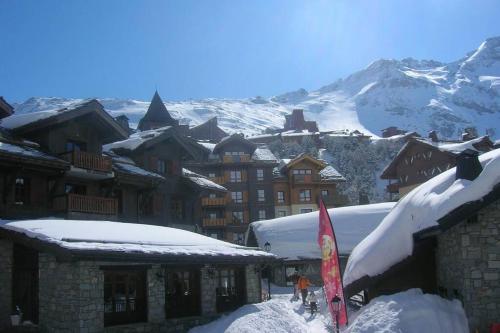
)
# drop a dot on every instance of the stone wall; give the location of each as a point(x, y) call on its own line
point(468, 266)
point(6, 260)
point(254, 291)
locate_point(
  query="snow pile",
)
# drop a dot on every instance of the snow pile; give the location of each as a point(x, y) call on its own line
point(392, 240)
point(410, 312)
point(278, 315)
point(295, 237)
point(126, 238)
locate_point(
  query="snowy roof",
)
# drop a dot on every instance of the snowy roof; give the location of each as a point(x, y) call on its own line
point(295, 237)
point(136, 139)
point(298, 133)
point(208, 145)
point(263, 154)
point(133, 169)
point(202, 181)
point(127, 239)
point(19, 120)
point(27, 152)
point(330, 173)
point(419, 210)
point(458, 147)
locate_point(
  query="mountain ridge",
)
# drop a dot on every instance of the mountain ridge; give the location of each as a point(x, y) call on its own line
point(416, 95)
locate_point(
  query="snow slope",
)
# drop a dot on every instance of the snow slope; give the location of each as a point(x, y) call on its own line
point(417, 95)
point(392, 241)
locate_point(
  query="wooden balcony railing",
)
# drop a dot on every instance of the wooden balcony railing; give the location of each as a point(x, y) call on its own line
point(306, 179)
point(214, 201)
point(236, 158)
point(84, 160)
point(86, 204)
point(219, 222)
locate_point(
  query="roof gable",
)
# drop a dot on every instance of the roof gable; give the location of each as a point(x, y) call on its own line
point(234, 138)
point(157, 115)
point(29, 122)
point(304, 158)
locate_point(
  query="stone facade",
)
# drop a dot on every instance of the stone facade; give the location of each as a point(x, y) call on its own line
point(71, 296)
point(6, 257)
point(468, 266)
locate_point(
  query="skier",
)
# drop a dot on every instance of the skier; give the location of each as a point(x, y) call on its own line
point(313, 302)
point(303, 283)
point(295, 279)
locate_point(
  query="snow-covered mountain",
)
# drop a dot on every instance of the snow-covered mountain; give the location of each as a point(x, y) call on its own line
point(412, 94)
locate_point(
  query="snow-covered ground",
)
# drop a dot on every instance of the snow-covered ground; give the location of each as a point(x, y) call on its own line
point(406, 312)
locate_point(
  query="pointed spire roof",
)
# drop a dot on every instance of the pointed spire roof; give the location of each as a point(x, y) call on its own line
point(156, 116)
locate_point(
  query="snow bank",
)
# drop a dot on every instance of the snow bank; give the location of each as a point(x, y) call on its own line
point(410, 312)
point(125, 237)
point(392, 240)
point(295, 237)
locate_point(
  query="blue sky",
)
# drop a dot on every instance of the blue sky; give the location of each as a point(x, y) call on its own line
point(234, 48)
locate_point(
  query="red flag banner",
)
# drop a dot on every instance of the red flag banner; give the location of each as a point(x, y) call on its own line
point(330, 265)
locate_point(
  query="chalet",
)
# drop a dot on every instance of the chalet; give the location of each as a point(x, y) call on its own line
point(294, 239)
point(443, 238)
point(296, 122)
point(72, 137)
point(208, 131)
point(102, 276)
point(5, 108)
point(392, 131)
point(247, 172)
point(421, 159)
point(162, 151)
point(156, 116)
point(300, 182)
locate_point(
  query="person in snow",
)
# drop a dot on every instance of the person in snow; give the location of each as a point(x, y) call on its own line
point(313, 302)
point(303, 284)
point(295, 279)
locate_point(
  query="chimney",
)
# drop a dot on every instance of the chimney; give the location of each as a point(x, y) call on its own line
point(468, 165)
point(122, 120)
point(433, 136)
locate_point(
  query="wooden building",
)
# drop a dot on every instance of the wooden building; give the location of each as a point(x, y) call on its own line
point(421, 159)
point(300, 182)
point(156, 116)
point(208, 131)
point(247, 172)
point(296, 122)
point(101, 276)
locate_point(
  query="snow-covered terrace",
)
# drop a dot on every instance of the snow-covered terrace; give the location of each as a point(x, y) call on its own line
point(392, 241)
point(127, 241)
point(295, 237)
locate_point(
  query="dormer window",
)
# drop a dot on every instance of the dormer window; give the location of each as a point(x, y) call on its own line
point(72, 145)
point(161, 166)
point(302, 171)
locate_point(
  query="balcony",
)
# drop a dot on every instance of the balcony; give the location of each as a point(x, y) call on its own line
point(86, 204)
point(236, 158)
point(218, 222)
point(214, 201)
point(306, 179)
point(89, 161)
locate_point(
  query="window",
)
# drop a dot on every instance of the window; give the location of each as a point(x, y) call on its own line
point(212, 195)
point(260, 174)
point(230, 290)
point(305, 210)
point(239, 238)
point(305, 195)
point(234, 153)
point(324, 193)
point(22, 191)
point(281, 197)
point(124, 296)
point(302, 172)
point(235, 177)
point(75, 146)
point(161, 166)
point(212, 215)
point(75, 189)
point(262, 214)
point(238, 217)
point(211, 175)
point(182, 293)
point(261, 195)
point(237, 197)
point(281, 213)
